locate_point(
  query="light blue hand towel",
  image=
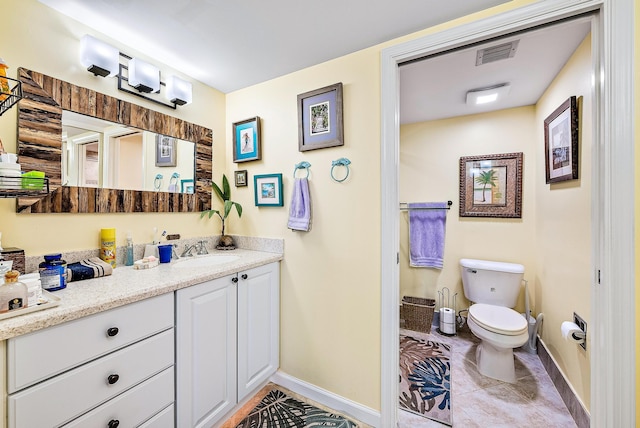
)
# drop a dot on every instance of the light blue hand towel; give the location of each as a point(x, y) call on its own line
point(300, 210)
point(426, 234)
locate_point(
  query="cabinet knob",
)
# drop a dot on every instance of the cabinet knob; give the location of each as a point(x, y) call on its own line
point(113, 378)
point(112, 331)
point(113, 423)
point(244, 276)
point(234, 279)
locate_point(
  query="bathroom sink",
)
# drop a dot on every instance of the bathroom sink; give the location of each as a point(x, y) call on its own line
point(204, 261)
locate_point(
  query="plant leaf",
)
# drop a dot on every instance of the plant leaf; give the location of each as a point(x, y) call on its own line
point(216, 188)
point(226, 188)
point(227, 208)
point(238, 208)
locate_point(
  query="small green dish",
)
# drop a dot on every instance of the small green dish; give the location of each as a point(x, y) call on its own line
point(33, 180)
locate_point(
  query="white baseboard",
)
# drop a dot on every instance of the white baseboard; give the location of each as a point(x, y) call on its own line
point(343, 405)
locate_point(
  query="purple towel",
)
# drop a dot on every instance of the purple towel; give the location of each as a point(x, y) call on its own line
point(300, 211)
point(426, 234)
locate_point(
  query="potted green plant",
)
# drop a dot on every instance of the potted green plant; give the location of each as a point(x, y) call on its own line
point(226, 242)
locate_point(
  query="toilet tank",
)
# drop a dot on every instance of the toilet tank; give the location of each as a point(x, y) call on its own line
point(494, 283)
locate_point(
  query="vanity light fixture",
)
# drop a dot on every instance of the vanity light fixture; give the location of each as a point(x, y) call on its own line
point(103, 60)
point(488, 94)
point(100, 58)
point(143, 76)
point(179, 91)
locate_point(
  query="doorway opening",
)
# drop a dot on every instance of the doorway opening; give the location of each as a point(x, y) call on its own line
point(613, 393)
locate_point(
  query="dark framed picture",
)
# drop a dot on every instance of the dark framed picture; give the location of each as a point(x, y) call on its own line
point(561, 142)
point(491, 185)
point(240, 178)
point(165, 150)
point(320, 123)
point(246, 140)
point(268, 190)
point(187, 186)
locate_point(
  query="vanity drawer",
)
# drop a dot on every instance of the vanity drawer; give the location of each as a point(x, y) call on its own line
point(134, 406)
point(69, 395)
point(164, 419)
point(42, 354)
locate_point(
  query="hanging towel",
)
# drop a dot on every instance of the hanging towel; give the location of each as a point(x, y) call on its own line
point(87, 269)
point(426, 234)
point(300, 211)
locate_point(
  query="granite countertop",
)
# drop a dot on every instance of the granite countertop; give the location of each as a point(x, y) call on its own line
point(128, 285)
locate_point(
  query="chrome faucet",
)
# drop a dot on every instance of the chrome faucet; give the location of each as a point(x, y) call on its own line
point(187, 251)
point(202, 248)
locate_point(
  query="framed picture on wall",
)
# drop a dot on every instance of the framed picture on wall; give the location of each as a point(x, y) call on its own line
point(561, 142)
point(320, 122)
point(491, 185)
point(165, 150)
point(268, 190)
point(246, 140)
point(240, 178)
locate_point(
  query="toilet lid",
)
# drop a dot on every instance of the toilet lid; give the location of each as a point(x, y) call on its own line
point(498, 319)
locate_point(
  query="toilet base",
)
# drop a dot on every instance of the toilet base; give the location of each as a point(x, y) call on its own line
point(496, 363)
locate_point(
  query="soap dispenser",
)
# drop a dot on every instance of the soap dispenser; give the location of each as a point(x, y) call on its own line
point(13, 294)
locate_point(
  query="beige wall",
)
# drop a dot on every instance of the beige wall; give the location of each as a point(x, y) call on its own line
point(38, 38)
point(429, 158)
point(636, 121)
point(563, 228)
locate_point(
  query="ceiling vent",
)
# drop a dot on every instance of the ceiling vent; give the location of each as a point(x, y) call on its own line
point(497, 52)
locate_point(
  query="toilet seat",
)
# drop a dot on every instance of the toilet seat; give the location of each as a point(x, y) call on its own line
point(498, 319)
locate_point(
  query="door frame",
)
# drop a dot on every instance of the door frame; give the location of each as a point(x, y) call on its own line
point(612, 341)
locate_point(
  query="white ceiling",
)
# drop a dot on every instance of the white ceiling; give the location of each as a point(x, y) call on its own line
point(232, 44)
point(436, 88)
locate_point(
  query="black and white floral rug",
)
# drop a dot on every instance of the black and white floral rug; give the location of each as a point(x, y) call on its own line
point(278, 410)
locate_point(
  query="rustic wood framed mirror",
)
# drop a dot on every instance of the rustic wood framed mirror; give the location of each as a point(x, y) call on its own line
point(40, 148)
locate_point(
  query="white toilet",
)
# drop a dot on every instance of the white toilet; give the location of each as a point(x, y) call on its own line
point(493, 289)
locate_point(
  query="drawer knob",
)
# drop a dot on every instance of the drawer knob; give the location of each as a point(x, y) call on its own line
point(113, 423)
point(113, 378)
point(234, 279)
point(245, 276)
point(112, 331)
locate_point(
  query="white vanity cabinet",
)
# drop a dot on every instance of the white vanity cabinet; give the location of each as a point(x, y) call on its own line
point(114, 368)
point(227, 342)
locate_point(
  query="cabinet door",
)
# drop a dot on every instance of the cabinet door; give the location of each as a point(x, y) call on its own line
point(258, 326)
point(205, 352)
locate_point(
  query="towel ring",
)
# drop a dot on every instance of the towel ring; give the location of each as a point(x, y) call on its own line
point(302, 165)
point(157, 183)
point(340, 162)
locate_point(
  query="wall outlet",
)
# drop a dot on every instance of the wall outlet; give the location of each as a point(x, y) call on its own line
point(583, 326)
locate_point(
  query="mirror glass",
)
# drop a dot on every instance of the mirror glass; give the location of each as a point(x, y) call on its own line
point(101, 154)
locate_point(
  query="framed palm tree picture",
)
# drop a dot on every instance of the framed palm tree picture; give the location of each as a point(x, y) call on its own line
point(491, 185)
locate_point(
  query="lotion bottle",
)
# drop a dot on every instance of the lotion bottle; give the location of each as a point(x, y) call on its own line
point(13, 294)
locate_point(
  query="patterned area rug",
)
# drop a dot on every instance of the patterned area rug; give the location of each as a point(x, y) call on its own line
point(278, 410)
point(425, 378)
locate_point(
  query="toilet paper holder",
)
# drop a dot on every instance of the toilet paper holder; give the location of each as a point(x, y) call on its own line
point(575, 331)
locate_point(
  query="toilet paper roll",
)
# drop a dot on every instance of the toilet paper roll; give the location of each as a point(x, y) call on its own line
point(571, 331)
point(447, 321)
point(447, 315)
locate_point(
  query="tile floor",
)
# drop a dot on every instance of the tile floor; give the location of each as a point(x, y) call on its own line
point(480, 401)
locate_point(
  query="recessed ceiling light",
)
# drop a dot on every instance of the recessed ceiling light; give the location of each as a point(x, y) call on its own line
point(487, 95)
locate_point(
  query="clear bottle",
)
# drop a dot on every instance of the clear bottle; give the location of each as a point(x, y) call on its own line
point(128, 255)
point(13, 294)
